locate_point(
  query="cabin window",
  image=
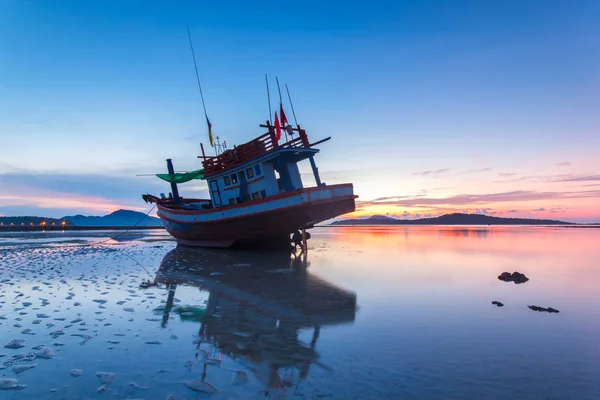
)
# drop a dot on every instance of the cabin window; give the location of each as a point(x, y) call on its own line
point(255, 196)
point(257, 171)
point(232, 201)
point(250, 173)
point(263, 193)
point(241, 175)
point(247, 197)
point(227, 181)
point(238, 200)
point(234, 179)
point(214, 190)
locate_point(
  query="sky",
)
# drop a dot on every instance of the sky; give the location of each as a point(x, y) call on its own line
point(433, 106)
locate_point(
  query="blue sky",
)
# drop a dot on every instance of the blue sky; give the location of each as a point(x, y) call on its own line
point(490, 97)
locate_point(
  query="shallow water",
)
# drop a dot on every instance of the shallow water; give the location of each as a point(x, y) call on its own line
point(370, 313)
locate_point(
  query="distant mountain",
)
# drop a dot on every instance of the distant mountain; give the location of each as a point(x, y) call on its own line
point(117, 218)
point(450, 219)
point(380, 219)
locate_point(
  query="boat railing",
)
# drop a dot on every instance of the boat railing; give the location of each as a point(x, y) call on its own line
point(297, 142)
point(255, 148)
point(300, 141)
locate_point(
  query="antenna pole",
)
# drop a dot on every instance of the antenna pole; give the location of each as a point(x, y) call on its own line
point(268, 98)
point(278, 89)
point(291, 104)
point(281, 106)
point(199, 85)
point(196, 68)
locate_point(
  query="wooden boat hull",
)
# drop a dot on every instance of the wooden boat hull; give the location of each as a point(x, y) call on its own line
point(265, 222)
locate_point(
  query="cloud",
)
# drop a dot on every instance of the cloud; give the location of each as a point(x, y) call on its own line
point(381, 199)
point(512, 211)
point(470, 199)
point(506, 174)
point(124, 187)
point(432, 172)
point(340, 174)
point(563, 164)
point(539, 209)
point(470, 171)
point(60, 202)
point(550, 178)
point(57, 194)
point(578, 178)
point(520, 179)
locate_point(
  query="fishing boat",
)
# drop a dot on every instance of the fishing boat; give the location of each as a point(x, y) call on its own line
point(257, 196)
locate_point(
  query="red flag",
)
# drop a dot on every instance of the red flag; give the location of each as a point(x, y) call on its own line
point(284, 120)
point(277, 127)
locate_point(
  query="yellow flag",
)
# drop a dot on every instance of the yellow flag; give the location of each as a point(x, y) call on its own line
point(210, 137)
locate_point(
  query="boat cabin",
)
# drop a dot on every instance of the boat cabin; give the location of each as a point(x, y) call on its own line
point(257, 197)
point(258, 169)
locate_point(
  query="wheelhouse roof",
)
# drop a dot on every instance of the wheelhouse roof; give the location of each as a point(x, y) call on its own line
point(288, 154)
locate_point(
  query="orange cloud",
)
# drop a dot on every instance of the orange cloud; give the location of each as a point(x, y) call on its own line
point(65, 201)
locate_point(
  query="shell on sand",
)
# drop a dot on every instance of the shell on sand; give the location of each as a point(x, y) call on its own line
point(15, 344)
point(8, 383)
point(46, 353)
point(17, 369)
point(201, 386)
point(106, 377)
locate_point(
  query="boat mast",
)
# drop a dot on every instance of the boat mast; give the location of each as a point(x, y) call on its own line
point(281, 108)
point(269, 99)
point(292, 105)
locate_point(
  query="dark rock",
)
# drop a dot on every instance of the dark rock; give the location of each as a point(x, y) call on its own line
point(505, 275)
point(538, 308)
point(515, 277)
point(15, 344)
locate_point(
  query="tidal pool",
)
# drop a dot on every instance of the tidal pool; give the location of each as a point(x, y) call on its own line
point(368, 313)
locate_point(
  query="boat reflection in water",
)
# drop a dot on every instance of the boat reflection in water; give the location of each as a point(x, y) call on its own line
point(257, 304)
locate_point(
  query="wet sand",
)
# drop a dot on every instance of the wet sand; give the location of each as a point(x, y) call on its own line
point(370, 313)
point(18, 228)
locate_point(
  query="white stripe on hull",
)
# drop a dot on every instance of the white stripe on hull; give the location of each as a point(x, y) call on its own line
point(302, 198)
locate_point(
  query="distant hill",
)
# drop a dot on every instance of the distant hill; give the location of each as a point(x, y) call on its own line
point(117, 218)
point(380, 219)
point(450, 219)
